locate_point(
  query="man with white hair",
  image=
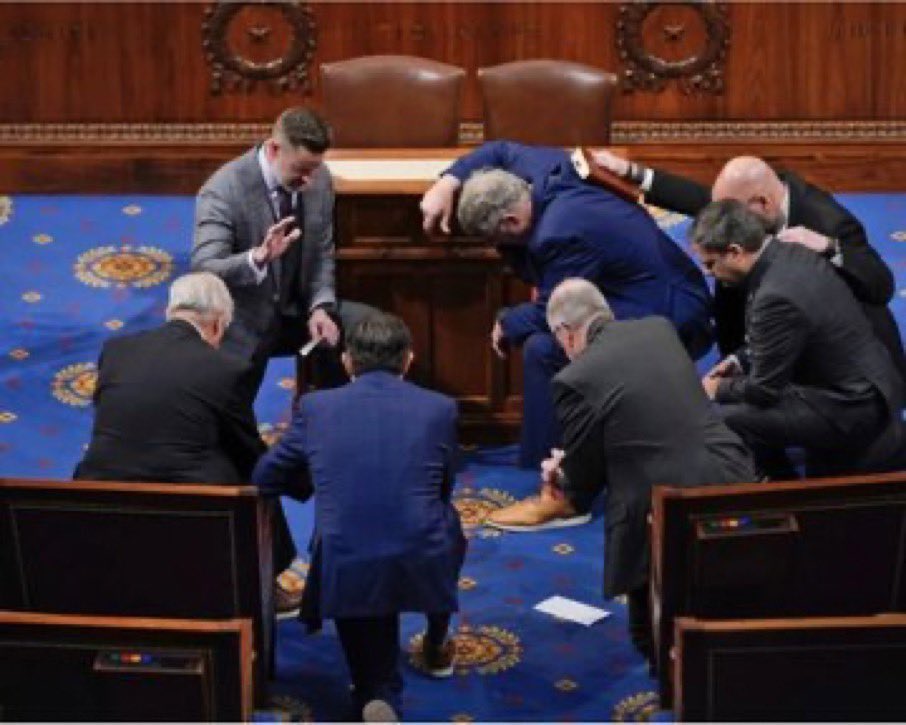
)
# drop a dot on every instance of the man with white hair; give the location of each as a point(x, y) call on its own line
point(168, 405)
point(797, 212)
point(549, 224)
point(633, 415)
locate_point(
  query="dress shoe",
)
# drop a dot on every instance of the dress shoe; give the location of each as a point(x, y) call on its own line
point(436, 661)
point(286, 603)
point(536, 513)
point(379, 711)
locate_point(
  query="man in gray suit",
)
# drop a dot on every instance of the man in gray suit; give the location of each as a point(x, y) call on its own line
point(633, 415)
point(264, 224)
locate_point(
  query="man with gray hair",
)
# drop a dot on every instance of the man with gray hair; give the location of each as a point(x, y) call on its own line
point(168, 406)
point(166, 403)
point(633, 415)
point(549, 225)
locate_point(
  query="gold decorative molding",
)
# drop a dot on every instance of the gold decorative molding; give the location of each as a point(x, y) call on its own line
point(133, 133)
point(626, 132)
point(622, 133)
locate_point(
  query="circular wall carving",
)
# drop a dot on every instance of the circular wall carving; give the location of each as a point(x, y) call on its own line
point(685, 42)
point(248, 42)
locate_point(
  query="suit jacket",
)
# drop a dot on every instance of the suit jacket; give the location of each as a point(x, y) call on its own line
point(869, 278)
point(166, 410)
point(378, 453)
point(634, 415)
point(806, 333)
point(581, 230)
point(232, 214)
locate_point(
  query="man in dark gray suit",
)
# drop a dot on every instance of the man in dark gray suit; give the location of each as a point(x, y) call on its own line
point(264, 224)
point(812, 373)
point(633, 415)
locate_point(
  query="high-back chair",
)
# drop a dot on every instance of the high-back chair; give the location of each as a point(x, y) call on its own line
point(547, 102)
point(392, 101)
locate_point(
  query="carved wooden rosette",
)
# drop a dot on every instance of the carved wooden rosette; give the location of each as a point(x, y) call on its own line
point(697, 32)
point(247, 42)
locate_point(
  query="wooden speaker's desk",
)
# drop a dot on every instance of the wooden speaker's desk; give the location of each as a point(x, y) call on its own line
point(447, 288)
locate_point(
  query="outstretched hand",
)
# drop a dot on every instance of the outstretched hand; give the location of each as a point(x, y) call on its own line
point(806, 237)
point(322, 327)
point(437, 204)
point(610, 161)
point(276, 241)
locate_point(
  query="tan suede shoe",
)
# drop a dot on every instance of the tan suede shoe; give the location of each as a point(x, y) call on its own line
point(537, 513)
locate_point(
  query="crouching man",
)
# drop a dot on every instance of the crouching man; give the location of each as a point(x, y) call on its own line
point(634, 415)
point(378, 454)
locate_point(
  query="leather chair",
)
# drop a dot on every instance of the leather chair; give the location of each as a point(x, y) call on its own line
point(392, 101)
point(547, 102)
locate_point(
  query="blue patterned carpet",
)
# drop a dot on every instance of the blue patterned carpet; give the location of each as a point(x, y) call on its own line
point(79, 269)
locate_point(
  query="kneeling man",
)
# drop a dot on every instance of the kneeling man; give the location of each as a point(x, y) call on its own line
point(168, 408)
point(378, 454)
point(812, 373)
point(633, 415)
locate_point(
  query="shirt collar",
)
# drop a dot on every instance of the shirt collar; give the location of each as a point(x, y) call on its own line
point(270, 178)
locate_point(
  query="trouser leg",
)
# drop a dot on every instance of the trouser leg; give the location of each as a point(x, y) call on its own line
point(639, 621)
point(371, 647)
point(791, 422)
point(438, 626)
point(542, 359)
point(283, 545)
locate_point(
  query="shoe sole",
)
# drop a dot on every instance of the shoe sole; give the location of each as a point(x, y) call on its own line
point(561, 523)
point(442, 673)
point(288, 614)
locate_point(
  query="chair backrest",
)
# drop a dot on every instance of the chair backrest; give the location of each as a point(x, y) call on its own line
point(839, 669)
point(547, 102)
point(784, 549)
point(139, 550)
point(121, 669)
point(392, 101)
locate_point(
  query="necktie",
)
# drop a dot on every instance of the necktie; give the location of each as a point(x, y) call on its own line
point(291, 259)
point(284, 203)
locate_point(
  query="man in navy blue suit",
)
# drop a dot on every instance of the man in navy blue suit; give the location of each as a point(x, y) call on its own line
point(551, 225)
point(379, 455)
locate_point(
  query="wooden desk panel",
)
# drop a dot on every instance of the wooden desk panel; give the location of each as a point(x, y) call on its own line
point(448, 290)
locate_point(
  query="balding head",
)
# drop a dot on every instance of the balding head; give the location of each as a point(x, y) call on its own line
point(750, 180)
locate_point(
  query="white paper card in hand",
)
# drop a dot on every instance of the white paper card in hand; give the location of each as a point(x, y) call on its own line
point(571, 610)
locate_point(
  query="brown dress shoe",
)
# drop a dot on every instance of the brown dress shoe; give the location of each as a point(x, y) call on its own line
point(537, 513)
point(286, 603)
point(288, 590)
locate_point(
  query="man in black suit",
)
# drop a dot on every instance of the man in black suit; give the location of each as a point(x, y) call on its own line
point(798, 212)
point(812, 374)
point(168, 408)
point(633, 415)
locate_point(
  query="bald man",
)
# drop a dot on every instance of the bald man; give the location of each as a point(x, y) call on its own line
point(799, 213)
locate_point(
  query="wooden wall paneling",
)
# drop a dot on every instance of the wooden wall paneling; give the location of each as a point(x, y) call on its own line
point(144, 62)
point(180, 168)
